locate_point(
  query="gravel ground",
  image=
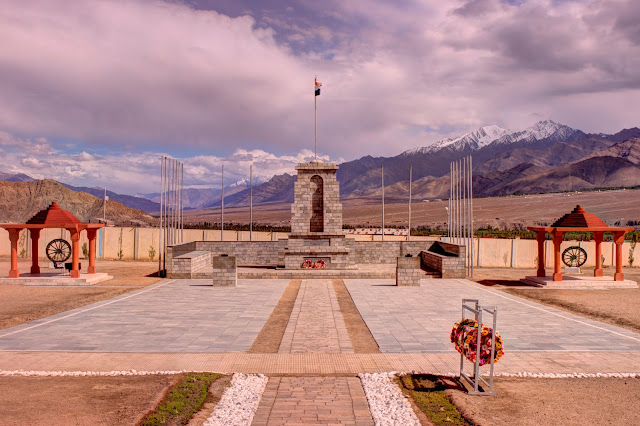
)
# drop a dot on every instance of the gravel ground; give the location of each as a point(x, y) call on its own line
point(239, 402)
point(387, 404)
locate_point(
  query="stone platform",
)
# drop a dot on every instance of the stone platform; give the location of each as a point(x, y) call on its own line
point(579, 282)
point(56, 279)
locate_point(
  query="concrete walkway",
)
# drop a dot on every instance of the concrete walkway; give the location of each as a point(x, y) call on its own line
point(316, 323)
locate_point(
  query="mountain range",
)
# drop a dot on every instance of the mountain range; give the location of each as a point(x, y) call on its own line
point(545, 157)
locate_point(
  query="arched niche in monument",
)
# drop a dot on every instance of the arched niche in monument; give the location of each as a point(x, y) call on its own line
point(316, 223)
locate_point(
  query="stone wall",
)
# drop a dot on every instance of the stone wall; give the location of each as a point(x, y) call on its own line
point(188, 264)
point(450, 265)
point(225, 271)
point(385, 251)
point(408, 271)
point(316, 188)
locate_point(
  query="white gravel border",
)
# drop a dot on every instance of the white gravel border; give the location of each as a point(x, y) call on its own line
point(239, 402)
point(387, 404)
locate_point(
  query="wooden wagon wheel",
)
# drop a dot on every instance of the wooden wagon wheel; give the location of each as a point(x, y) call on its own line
point(574, 256)
point(58, 250)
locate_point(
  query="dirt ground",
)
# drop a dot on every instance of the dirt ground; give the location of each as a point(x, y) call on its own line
point(616, 306)
point(554, 402)
point(20, 304)
point(80, 400)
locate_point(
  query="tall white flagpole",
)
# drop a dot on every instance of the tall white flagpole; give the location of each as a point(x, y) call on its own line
point(315, 120)
point(222, 207)
point(382, 175)
point(410, 181)
point(251, 203)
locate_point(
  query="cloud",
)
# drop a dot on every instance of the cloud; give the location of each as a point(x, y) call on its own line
point(132, 173)
point(153, 76)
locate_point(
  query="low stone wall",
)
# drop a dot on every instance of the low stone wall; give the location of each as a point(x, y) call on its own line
point(408, 271)
point(447, 258)
point(377, 252)
point(183, 266)
point(225, 271)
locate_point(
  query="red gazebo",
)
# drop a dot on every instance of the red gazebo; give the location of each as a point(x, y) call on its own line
point(53, 217)
point(579, 220)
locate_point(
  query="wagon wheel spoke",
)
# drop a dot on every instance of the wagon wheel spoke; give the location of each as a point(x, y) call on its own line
point(58, 250)
point(574, 256)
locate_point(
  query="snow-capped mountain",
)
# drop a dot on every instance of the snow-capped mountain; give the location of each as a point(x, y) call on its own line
point(496, 135)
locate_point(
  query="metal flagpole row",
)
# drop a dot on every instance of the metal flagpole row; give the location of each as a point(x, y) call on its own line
point(222, 205)
point(171, 208)
point(460, 210)
point(251, 203)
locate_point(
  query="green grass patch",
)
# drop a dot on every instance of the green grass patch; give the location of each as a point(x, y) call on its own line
point(428, 393)
point(183, 400)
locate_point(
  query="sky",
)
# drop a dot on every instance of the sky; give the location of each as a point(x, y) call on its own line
point(93, 92)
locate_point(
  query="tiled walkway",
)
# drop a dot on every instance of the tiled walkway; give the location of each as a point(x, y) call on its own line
point(173, 316)
point(419, 319)
point(316, 323)
point(313, 400)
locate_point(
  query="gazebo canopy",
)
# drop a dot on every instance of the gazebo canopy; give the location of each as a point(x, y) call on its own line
point(579, 220)
point(52, 217)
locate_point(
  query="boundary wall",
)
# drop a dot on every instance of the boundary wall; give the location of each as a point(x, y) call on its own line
point(142, 244)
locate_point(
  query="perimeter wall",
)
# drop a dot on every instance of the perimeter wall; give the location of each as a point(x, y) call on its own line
point(142, 244)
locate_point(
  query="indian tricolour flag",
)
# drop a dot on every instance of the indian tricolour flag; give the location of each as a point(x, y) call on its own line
point(318, 85)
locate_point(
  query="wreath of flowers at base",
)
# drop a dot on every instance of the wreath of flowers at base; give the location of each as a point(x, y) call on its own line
point(310, 264)
point(464, 336)
point(320, 264)
point(307, 264)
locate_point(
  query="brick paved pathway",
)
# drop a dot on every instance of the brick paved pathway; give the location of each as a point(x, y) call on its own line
point(313, 400)
point(419, 319)
point(316, 323)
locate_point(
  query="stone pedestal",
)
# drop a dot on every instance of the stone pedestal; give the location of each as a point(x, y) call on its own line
point(408, 271)
point(225, 271)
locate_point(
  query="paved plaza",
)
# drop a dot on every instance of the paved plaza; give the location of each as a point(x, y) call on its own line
point(419, 319)
point(173, 316)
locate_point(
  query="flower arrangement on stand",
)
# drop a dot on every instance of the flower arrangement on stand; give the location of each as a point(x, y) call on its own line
point(464, 336)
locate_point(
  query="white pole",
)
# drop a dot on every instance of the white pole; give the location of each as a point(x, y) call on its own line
point(410, 181)
point(251, 202)
point(173, 201)
point(222, 206)
point(104, 207)
point(458, 225)
point(315, 123)
point(382, 174)
point(181, 202)
point(160, 230)
point(464, 210)
point(166, 215)
point(450, 195)
point(471, 207)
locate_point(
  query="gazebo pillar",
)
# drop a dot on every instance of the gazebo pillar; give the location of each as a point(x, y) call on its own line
point(14, 235)
point(35, 236)
point(91, 235)
point(597, 237)
point(618, 240)
point(541, 237)
point(75, 256)
point(557, 241)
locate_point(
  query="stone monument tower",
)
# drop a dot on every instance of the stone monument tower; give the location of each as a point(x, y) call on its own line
point(316, 220)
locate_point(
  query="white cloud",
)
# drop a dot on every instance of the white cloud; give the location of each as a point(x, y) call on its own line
point(161, 76)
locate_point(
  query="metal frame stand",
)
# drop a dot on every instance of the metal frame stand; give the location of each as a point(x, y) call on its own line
point(474, 380)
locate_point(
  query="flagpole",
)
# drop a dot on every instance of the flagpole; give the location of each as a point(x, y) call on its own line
point(410, 181)
point(315, 123)
point(222, 205)
point(251, 203)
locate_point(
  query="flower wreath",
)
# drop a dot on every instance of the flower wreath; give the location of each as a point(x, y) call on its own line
point(464, 337)
point(320, 264)
point(307, 264)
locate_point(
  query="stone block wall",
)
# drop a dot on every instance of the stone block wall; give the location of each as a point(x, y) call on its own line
point(225, 271)
point(408, 271)
point(185, 265)
point(450, 265)
point(248, 253)
point(315, 188)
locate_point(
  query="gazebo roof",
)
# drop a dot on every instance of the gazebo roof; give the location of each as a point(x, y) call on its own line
point(53, 215)
point(579, 218)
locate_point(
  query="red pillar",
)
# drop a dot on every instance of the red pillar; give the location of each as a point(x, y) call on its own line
point(597, 237)
point(75, 239)
point(91, 234)
point(557, 241)
point(35, 236)
point(618, 239)
point(14, 235)
point(541, 237)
